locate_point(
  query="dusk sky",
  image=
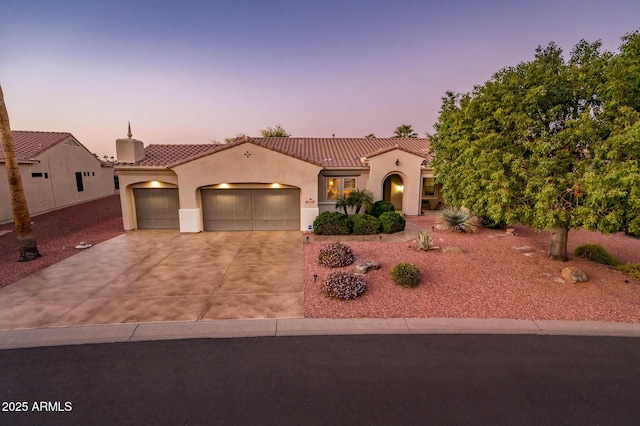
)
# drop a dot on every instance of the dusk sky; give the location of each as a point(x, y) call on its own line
point(192, 71)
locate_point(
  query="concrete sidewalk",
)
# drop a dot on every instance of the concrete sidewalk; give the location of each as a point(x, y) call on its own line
point(133, 332)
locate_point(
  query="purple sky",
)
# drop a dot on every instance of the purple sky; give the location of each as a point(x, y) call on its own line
point(190, 71)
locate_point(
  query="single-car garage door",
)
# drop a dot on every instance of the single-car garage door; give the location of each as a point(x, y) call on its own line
point(157, 208)
point(251, 209)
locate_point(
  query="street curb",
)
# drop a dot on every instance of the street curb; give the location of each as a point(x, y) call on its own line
point(214, 329)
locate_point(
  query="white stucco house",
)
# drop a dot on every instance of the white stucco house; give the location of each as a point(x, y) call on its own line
point(57, 171)
point(267, 183)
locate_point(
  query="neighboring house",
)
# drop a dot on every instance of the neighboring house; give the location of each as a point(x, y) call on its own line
point(267, 183)
point(57, 171)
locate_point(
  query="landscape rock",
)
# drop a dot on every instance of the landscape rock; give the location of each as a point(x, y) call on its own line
point(524, 249)
point(364, 267)
point(452, 249)
point(510, 231)
point(573, 275)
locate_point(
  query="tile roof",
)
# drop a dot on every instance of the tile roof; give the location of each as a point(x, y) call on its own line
point(29, 145)
point(326, 152)
point(164, 155)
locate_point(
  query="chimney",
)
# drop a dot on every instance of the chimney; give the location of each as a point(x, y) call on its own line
point(129, 150)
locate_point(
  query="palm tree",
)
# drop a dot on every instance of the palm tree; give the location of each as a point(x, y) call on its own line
point(360, 199)
point(405, 131)
point(26, 240)
point(343, 203)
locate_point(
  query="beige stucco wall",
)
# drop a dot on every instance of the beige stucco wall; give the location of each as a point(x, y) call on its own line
point(61, 163)
point(409, 169)
point(261, 166)
point(133, 178)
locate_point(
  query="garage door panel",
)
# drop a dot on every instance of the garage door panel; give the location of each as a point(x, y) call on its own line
point(228, 210)
point(157, 208)
point(276, 209)
point(251, 209)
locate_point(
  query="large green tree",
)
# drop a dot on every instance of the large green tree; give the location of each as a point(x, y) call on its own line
point(26, 240)
point(542, 143)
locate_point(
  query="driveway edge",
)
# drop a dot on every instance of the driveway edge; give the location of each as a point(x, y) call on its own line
point(214, 329)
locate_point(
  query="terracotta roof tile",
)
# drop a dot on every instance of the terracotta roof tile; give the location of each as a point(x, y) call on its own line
point(327, 152)
point(29, 145)
point(164, 155)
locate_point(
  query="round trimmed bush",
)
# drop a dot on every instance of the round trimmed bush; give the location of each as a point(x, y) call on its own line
point(331, 223)
point(336, 255)
point(391, 222)
point(380, 207)
point(365, 224)
point(405, 274)
point(596, 253)
point(344, 285)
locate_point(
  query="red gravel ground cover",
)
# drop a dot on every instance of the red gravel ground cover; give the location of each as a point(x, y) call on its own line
point(57, 233)
point(491, 279)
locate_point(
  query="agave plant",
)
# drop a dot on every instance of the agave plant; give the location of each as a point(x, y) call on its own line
point(425, 241)
point(457, 219)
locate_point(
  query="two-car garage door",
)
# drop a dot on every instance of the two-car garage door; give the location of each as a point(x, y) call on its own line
point(223, 209)
point(251, 209)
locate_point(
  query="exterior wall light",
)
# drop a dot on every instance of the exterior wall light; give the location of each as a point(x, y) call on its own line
point(397, 162)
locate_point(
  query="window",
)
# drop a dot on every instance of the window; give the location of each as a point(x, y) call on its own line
point(93, 173)
point(349, 185)
point(46, 175)
point(333, 188)
point(79, 184)
point(428, 187)
point(340, 186)
point(36, 174)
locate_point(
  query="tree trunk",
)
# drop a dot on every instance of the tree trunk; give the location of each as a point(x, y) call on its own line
point(558, 244)
point(26, 240)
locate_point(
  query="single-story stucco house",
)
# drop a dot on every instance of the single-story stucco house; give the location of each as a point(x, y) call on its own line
point(57, 171)
point(267, 183)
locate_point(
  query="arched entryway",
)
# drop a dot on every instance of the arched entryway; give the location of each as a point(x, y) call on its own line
point(393, 189)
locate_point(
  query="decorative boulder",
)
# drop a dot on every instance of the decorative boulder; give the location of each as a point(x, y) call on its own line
point(364, 267)
point(452, 249)
point(573, 275)
point(524, 249)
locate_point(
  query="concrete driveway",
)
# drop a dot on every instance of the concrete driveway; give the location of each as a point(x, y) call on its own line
point(149, 276)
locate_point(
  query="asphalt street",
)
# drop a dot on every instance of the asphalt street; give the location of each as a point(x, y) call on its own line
point(327, 380)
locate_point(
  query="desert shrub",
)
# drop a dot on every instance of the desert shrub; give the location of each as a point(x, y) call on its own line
point(331, 223)
point(487, 222)
point(391, 222)
point(344, 285)
point(596, 253)
point(380, 207)
point(405, 274)
point(365, 224)
point(632, 269)
point(457, 219)
point(335, 255)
